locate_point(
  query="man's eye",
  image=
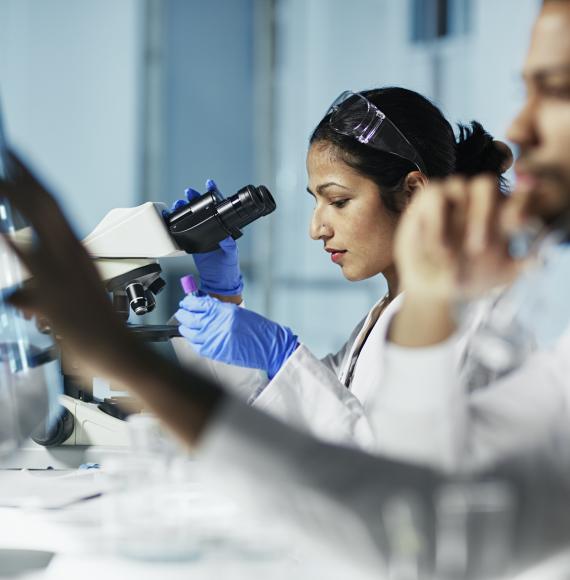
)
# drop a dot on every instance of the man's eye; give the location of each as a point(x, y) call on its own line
point(556, 92)
point(339, 203)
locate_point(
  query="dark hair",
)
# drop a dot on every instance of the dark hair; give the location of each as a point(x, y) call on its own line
point(429, 132)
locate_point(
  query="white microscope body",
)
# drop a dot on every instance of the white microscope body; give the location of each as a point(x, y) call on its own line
point(127, 244)
point(126, 247)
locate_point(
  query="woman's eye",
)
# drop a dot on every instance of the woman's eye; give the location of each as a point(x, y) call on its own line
point(339, 203)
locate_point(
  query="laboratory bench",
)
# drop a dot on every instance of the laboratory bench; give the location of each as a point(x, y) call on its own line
point(46, 511)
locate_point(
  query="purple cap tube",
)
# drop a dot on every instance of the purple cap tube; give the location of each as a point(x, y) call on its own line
point(189, 285)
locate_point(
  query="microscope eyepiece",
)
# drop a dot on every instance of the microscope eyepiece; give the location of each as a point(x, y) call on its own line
point(207, 220)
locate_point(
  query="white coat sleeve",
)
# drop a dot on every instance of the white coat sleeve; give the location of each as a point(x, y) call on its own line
point(333, 494)
point(399, 416)
point(415, 414)
point(307, 393)
point(359, 505)
point(247, 384)
point(400, 422)
point(416, 390)
point(250, 384)
point(524, 409)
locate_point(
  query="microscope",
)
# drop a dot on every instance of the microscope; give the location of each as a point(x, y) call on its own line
point(127, 246)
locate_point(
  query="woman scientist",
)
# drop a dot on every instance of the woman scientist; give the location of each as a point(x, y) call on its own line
point(367, 157)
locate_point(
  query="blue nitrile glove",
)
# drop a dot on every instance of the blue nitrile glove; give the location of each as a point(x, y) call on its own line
point(219, 269)
point(233, 335)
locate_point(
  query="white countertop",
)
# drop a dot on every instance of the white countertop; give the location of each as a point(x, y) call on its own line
point(80, 536)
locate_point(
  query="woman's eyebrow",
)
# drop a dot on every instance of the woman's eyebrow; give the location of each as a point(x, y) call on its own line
point(324, 186)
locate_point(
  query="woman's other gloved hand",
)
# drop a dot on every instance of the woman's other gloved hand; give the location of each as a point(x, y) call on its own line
point(219, 269)
point(233, 335)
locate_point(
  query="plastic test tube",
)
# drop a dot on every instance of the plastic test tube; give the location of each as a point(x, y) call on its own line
point(189, 285)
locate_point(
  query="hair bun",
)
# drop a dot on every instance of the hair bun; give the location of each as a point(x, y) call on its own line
point(477, 152)
point(508, 155)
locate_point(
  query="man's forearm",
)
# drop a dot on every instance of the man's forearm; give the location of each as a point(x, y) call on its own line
point(422, 321)
point(185, 400)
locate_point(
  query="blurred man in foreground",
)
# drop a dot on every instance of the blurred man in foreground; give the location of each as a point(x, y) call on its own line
point(455, 245)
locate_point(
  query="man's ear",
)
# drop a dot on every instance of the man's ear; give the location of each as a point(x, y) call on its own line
point(415, 181)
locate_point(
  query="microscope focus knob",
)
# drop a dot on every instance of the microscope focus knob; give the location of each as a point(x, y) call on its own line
point(157, 286)
point(60, 431)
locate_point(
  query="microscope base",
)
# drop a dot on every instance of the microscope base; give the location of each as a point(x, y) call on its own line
point(96, 436)
point(94, 427)
point(34, 456)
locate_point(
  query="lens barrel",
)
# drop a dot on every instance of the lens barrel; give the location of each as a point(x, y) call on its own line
point(207, 220)
point(245, 206)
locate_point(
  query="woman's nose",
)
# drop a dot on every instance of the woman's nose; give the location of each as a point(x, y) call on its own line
point(319, 229)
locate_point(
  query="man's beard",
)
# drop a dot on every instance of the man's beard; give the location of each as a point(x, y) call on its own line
point(550, 202)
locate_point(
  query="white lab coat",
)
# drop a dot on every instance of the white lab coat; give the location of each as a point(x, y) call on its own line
point(340, 494)
point(345, 498)
point(310, 393)
point(527, 408)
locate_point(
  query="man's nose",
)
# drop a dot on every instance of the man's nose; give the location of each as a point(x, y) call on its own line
point(522, 130)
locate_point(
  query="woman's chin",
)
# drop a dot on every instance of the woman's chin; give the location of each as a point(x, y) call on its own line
point(357, 275)
point(352, 276)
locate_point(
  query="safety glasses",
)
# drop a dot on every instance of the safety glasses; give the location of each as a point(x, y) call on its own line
point(353, 115)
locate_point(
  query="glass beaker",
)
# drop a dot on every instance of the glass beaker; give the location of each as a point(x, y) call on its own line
point(26, 396)
point(474, 529)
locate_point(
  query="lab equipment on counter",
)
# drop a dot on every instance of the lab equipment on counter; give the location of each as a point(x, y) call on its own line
point(189, 285)
point(17, 562)
point(206, 220)
point(158, 507)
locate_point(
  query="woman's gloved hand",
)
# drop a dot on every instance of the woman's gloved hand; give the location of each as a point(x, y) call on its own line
point(233, 335)
point(219, 270)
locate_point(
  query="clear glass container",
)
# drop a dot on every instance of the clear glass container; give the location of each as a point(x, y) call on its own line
point(158, 506)
point(475, 524)
point(26, 396)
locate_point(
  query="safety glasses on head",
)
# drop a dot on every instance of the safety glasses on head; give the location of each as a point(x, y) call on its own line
point(353, 115)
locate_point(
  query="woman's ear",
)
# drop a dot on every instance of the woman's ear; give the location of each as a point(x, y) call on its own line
point(414, 182)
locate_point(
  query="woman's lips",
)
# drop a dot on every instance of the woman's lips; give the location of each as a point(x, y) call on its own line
point(336, 255)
